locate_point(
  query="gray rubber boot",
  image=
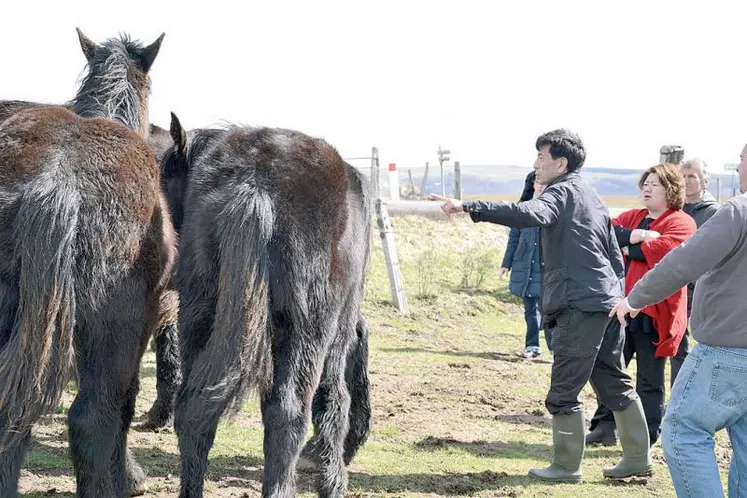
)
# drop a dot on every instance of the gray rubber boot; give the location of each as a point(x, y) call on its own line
point(605, 433)
point(633, 431)
point(568, 449)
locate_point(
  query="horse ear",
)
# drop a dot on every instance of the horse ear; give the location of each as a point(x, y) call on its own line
point(179, 136)
point(150, 52)
point(89, 47)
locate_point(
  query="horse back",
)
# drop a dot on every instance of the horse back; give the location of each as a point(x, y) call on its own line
point(320, 202)
point(110, 169)
point(106, 158)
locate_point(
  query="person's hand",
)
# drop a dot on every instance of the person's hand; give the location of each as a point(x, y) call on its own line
point(621, 309)
point(504, 272)
point(625, 251)
point(450, 206)
point(637, 236)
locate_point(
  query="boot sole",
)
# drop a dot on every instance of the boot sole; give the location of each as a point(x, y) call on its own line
point(643, 473)
point(568, 479)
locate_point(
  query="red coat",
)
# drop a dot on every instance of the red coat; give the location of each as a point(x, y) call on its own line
point(670, 315)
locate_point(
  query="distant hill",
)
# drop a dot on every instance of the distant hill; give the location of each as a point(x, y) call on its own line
point(509, 180)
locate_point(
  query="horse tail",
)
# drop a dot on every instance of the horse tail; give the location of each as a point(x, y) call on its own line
point(359, 387)
point(38, 360)
point(237, 357)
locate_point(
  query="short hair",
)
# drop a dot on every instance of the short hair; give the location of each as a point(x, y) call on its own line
point(705, 175)
point(671, 179)
point(564, 143)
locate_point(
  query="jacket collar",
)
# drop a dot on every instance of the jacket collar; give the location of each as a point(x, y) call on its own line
point(564, 177)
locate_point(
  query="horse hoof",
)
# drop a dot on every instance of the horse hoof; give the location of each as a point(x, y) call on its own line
point(136, 487)
point(157, 419)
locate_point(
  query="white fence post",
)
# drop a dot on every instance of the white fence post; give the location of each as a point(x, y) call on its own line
point(390, 254)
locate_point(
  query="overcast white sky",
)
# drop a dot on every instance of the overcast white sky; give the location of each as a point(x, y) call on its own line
point(480, 78)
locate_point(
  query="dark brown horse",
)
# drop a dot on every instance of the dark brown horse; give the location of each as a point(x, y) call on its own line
point(159, 139)
point(168, 375)
point(275, 233)
point(86, 250)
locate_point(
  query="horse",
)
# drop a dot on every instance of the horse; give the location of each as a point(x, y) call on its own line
point(274, 240)
point(86, 251)
point(159, 138)
point(168, 376)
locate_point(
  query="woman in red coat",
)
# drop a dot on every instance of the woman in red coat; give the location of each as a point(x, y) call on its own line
point(645, 237)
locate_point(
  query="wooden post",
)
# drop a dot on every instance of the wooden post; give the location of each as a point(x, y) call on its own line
point(425, 181)
point(390, 254)
point(375, 184)
point(671, 154)
point(457, 180)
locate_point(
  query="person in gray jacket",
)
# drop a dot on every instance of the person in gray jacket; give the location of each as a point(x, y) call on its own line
point(582, 281)
point(701, 205)
point(710, 392)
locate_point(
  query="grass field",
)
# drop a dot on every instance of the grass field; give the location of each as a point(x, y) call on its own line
point(457, 410)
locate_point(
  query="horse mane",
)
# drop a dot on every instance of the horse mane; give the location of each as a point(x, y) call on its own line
point(107, 90)
point(202, 139)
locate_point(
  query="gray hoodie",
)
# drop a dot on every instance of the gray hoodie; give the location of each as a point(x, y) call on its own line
point(715, 256)
point(703, 209)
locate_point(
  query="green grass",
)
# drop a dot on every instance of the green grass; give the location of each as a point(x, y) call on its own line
point(457, 411)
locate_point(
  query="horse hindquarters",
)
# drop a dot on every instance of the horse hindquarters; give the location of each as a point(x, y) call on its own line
point(236, 358)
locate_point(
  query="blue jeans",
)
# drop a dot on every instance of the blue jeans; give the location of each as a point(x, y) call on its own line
point(710, 394)
point(533, 317)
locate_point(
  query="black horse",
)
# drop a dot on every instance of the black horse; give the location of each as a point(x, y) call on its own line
point(275, 234)
point(86, 251)
point(168, 375)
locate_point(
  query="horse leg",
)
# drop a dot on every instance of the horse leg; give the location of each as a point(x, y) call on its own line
point(359, 414)
point(134, 475)
point(286, 407)
point(99, 418)
point(331, 422)
point(341, 378)
point(168, 378)
point(10, 466)
point(196, 416)
point(94, 422)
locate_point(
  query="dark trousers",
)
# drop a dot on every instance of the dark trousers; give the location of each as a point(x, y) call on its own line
point(675, 363)
point(649, 382)
point(533, 319)
point(587, 347)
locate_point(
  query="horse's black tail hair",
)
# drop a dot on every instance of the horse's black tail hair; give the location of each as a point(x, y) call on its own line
point(39, 358)
point(237, 357)
point(359, 387)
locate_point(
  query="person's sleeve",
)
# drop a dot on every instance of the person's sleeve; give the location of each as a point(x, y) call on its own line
point(513, 242)
point(542, 211)
point(702, 252)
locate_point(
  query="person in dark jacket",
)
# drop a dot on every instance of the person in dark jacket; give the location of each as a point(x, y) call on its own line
point(523, 259)
point(701, 205)
point(582, 281)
